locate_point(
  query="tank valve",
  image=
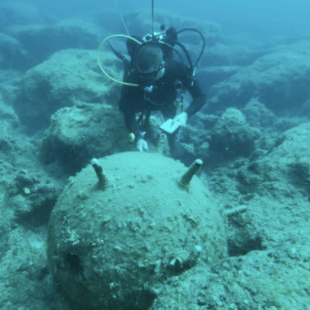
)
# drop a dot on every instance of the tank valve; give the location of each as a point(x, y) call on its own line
point(185, 179)
point(102, 179)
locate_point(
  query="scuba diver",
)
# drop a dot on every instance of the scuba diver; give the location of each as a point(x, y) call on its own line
point(162, 83)
point(154, 81)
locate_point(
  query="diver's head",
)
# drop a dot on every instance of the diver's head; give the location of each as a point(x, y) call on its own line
point(149, 62)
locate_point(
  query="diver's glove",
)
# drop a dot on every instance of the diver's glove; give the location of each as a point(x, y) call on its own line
point(142, 145)
point(181, 119)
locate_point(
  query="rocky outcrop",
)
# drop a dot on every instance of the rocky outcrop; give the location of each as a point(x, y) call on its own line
point(279, 80)
point(68, 77)
point(42, 40)
point(18, 13)
point(78, 134)
point(232, 136)
point(12, 53)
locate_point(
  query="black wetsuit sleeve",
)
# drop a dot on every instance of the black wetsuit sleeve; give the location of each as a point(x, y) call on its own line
point(126, 105)
point(199, 98)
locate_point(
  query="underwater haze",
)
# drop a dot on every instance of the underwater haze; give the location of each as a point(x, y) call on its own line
point(262, 19)
point(215, 216)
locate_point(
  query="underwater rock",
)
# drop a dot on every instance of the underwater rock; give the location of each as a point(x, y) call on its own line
point(68, 77)
point(80, 133)
point(8, 116)
point(41, 40)
point(305, 109)
point(230, 55)
point(114, 246)
point(12, 53)
point(279, 80)
point(284, 169)
point(232, 136)
point(19, 13)
point(9, 84)
point(257, 115)
point(290, 159)
point(212, 75)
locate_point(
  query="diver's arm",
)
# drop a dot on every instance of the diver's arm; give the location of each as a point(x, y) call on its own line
point(132, 127)
point(130, 120)
point(127, 106)
point(199, 98)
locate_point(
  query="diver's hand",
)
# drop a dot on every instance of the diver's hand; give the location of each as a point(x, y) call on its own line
point(142, 145)
point(181, 119)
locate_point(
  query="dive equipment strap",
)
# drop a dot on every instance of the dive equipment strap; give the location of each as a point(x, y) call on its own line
point(178, 86)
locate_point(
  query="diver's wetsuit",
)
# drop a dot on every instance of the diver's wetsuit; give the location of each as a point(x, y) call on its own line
point(161, 98)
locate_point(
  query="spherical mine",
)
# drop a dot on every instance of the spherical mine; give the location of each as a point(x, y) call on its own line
point(115, 248)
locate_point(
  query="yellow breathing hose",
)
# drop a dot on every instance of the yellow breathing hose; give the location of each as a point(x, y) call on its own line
point(99, 62)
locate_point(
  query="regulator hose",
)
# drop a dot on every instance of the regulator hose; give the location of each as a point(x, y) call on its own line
point(99, 61)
